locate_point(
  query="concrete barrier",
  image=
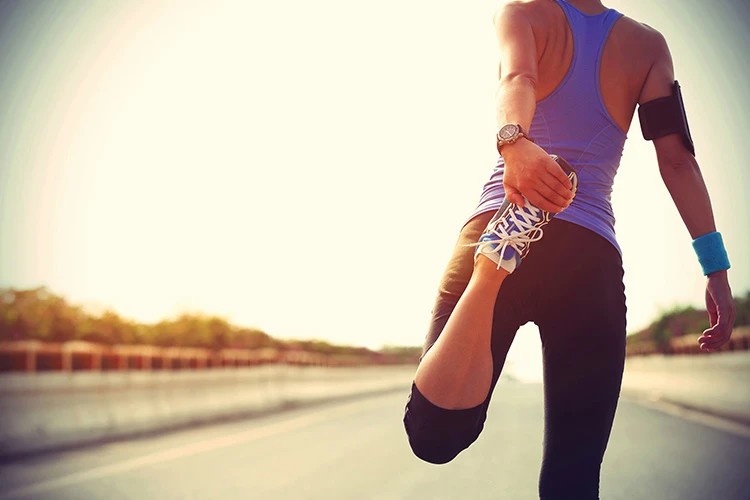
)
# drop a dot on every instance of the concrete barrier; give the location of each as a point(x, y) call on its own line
point(717, 383)
point(47, 411)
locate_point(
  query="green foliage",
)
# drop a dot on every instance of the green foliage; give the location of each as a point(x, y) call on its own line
point(743, 310)
point(36, 314)
point(252, 338)
point(40, 315)
point(402, 353)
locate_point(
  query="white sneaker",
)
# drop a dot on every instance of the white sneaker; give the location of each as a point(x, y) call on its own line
point(512, 229)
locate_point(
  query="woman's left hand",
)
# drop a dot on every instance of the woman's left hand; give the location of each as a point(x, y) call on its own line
point(721, 312)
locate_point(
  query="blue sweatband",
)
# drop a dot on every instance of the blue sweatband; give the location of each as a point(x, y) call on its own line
point(711, 253)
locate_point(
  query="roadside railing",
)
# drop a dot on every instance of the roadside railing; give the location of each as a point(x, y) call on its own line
point(32, 356)
point(35, 356)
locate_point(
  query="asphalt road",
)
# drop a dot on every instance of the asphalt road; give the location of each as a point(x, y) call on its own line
point(358, 450)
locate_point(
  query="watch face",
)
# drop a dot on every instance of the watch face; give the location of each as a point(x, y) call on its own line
point(508, 132)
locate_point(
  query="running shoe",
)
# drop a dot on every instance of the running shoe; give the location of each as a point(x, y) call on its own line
point(512, 230)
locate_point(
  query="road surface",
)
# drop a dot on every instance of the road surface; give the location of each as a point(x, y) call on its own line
point(358, 450)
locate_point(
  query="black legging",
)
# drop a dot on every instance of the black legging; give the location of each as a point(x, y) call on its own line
point(570, 285)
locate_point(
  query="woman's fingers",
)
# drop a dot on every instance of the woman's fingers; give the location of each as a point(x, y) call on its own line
point(539, 200)
point(721, 311)
point(561, 182)
point(719, 334)
point(549, 193)
point(535, 175)
point(552, 199)
point(514, 196)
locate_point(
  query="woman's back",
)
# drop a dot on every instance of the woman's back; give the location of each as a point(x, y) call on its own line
point(625, 60)
point(591, 67)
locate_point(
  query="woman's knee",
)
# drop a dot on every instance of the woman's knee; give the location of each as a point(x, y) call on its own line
point(431, 449)
point(435, 445)
point(437, 435)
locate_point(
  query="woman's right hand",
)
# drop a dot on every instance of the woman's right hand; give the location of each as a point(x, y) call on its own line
point(531, 172)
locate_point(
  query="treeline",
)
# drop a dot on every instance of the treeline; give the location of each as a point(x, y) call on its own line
point(38, 314)
point(686, 320)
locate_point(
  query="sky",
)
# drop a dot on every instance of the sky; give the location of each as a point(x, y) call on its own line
point(305, 167)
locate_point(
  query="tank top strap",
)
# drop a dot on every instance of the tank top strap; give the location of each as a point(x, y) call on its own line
point(590, 34)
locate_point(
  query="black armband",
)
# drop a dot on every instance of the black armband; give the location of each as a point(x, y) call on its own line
point(665, 116)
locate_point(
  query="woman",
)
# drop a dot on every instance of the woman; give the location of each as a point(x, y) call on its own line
point(572, 73)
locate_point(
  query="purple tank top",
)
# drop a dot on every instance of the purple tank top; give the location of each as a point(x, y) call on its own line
point(573, 123)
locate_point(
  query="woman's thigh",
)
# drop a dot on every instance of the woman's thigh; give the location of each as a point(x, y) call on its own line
point(456, 276)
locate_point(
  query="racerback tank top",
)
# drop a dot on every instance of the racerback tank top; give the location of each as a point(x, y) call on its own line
point(572, 122)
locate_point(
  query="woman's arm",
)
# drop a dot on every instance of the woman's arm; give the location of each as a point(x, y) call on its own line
point(529, 171)
point(682, 177)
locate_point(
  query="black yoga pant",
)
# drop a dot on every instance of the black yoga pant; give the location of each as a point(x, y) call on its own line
point(571, 286)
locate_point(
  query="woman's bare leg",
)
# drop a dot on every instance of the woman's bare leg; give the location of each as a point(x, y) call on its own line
point(456, 373)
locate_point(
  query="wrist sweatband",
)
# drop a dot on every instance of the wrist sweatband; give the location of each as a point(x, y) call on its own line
point(711, 253)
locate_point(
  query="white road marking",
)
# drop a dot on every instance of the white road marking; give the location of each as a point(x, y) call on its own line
point(715, 422)
point(190, 449)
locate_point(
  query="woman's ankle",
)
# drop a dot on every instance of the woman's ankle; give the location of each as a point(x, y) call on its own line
point(487, 271)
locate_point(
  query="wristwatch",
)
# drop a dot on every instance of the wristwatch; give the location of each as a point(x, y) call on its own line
point(508, 134)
